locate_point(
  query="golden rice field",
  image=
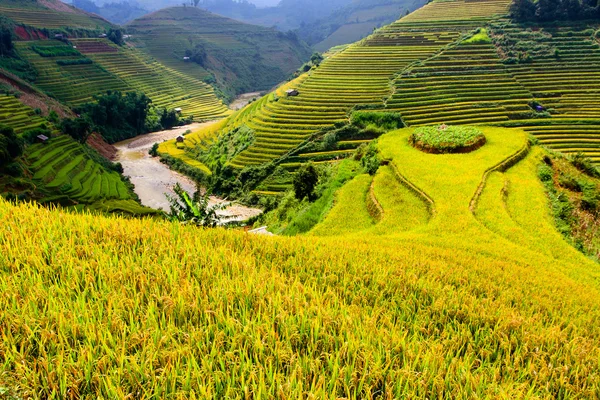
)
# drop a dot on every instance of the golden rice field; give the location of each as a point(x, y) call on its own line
point(461, 296)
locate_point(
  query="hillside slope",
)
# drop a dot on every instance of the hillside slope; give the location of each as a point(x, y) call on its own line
point(241, 57)
point(483, 300)
point(51, 15)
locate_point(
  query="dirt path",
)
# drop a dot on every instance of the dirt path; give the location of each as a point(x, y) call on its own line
point(243, 99)
point(153, 179)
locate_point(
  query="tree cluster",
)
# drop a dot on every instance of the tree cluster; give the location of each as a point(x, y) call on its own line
point(118, 116)
point(11, 146)
point(6, 38)
point(554, 10)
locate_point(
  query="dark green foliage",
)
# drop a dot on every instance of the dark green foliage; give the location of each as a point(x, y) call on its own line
point(30, 135)
point(195, 210)
point(316, 59)
point(305, 181)
point(55, 51)
point(6, 38)
point(79, 61)
point(369, 158)
point(11, 146)
point(385, 120)
point(53, 117)
point(154, 150)
point(115, 36)
point(554, 10)
point(79, 128)
point(168, 119)
point(117, 116)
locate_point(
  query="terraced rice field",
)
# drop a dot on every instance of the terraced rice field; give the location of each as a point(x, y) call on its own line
point(358, 75)
point(122, 69)
point(569, 84)
point(50, 19)
point(72, 84)
point(467, 84)
point(165, 86)
point(63, 167)
point(18, 116)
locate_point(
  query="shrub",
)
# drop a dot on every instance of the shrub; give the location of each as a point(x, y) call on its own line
point(305, 181)
point(11, 146)
point(370, 159)
point(154, 150)
point(386, 120)
point(545, 173)
point(55, 51)
point(584, 164)
point(447, 139)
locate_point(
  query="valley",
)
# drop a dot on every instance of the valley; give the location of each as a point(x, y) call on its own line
point(427, 184)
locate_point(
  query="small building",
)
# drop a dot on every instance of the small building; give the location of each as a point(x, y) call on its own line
point(443, 127)
point(178, 110)
point(539, 108)
point(292, 92)
point(59, 36)
point(103, 35)
point(186, 58)
point(126, 36)
point(42, 138)
point(180, 139)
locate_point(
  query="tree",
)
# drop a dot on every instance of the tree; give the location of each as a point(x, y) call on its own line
point(115, 36)
point(11, 146)
point(316, 58)
point(548, 10)
point(573, 9)
point(195, 210)
point(305, 181)
point(196, 3)
point(169, 119)
point(79, 128)
point(523, 10)
point(6, 41)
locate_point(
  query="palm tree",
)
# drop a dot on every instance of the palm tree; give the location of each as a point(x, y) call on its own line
point(195, 210)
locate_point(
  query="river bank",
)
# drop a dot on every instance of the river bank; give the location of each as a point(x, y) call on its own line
point(153, 180)
point(243, 100)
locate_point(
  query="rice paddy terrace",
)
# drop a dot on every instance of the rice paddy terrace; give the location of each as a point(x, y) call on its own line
point(51, 14)
point(64, 170)
point(427, 67)
point(74, 73)
point(18, 116)
point(242, 57)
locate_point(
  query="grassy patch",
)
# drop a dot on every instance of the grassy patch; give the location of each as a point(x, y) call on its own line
point(447, 139)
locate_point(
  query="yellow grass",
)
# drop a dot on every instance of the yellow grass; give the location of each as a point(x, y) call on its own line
point(459, 307)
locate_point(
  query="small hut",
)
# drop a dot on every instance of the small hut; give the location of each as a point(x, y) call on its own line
point(178, 110)
point(186, 58)
point(42, 139)
point(292, 92)
point(103, 35)
point(180, 139)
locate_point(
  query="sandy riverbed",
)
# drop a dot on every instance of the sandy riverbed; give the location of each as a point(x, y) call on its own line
point(153, 179)
point(243, 99)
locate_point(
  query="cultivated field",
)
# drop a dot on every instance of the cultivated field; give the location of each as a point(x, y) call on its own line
point(471, 293)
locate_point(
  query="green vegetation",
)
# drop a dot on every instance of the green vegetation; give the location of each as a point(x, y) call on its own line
point(573, 189)
point(478, 38)
point(236, 57)
point(55, 51)
point(10, 145)
point(447, 139)
point(194, 210)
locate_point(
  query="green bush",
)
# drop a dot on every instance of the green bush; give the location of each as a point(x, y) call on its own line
point(305, 181)
point(385, 120)
point(79, 61)
point(447, 139)
point(584, 164)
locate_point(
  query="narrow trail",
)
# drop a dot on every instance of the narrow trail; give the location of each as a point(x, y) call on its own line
point(153, 180)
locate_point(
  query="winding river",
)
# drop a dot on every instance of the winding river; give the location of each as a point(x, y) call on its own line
point(153, 180)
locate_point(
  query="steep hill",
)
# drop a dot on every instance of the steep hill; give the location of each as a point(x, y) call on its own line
point(241, 57)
